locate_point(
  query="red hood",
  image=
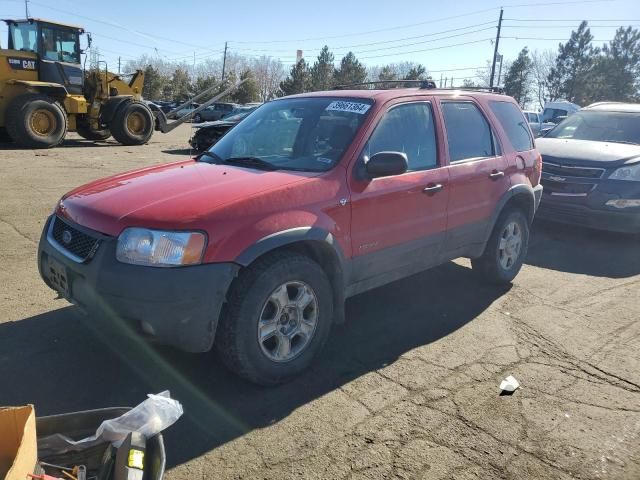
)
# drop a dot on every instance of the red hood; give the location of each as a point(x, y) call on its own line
point(172, 196)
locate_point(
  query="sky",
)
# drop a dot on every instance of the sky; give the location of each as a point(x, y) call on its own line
point(451, 38)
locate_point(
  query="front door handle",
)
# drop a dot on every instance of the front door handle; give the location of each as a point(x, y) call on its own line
point(433, 188)
point(495, 175)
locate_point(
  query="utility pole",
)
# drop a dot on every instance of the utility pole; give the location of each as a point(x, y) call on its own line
point(500, 58)
point(495, 50)
point(26, 9)
point(224, 61)
point(440, 80)
point(118, 65)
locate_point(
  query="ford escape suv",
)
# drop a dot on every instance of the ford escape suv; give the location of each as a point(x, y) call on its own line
point(255, 244)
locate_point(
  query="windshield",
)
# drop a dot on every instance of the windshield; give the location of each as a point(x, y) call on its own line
point(23, 36)
point(60, 44)
point(308, 134)
point(616, 127)
point(239, 114)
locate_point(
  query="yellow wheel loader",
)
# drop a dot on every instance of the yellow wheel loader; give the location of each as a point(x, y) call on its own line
point(45, 91)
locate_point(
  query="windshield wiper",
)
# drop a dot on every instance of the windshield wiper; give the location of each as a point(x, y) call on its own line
point(253, 162)
point(208, 154)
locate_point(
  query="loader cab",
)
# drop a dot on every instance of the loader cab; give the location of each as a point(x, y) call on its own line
point(57, 47)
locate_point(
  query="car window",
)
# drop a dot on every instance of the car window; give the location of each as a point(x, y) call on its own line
point(600, 126)
point(514, 125)
point(468, 132)
point(23, 36)
point(407, 128)
point(550, 114)
point(60, 45)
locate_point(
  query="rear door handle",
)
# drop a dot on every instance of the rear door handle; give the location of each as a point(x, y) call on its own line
point(431, 189)
point(495, 175)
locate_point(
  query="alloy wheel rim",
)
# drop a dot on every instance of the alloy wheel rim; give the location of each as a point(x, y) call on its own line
point(288, 321)
point(510, 245)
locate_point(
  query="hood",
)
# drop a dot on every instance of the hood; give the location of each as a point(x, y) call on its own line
point(173, 196)
point(587, 152)
point(214, 123)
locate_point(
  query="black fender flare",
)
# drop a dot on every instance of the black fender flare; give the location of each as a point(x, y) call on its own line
point(292, 236)
point(515, 190)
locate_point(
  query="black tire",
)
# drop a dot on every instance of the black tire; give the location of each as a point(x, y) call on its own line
point(96, 135)
point(132, 124)
point(36, 121)
point(491, 265)
point(197, 118)
point(237, 341)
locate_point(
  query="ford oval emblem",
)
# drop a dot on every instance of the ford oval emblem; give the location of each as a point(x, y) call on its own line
point(66, 237)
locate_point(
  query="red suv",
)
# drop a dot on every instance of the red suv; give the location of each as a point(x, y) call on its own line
point(311, 199)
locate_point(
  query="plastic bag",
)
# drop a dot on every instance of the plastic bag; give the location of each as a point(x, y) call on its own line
point(150, 417)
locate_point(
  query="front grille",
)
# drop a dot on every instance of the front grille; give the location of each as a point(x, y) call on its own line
point(72, 240)
point(566, 188)
point(571, 171)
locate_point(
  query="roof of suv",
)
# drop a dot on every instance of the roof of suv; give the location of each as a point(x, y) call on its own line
point(389, 94)
point(614, 107)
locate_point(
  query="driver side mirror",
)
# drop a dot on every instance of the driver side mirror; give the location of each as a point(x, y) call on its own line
point(386, 164)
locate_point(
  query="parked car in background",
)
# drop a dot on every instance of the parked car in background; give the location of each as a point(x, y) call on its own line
point(555, 112)
point(188, 110)
point(209, 133)
point(214, 112)
point(591, 168)
point(535, 122)
point(309, 200)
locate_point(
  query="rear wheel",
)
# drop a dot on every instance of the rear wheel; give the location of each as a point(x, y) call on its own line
point(506, 250)
point(36, 121)
point(132, 124)
point(277, 319)
point(96, 135)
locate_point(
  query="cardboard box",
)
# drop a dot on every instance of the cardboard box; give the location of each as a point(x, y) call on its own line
point(18, 442)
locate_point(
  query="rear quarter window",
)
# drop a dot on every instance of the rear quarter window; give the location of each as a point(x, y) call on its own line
point(514, 124)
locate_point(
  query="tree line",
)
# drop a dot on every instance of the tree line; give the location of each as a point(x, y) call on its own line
point(579, 72)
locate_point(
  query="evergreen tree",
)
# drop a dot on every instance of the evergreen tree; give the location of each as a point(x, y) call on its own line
point(350, 71)
point(298, 80)
point(387, 73)
point(570, 75)
point(202, 83)
point(416, 72)
point(247, 92)
point(617, 71)
point(322, 71)
point(153, 83)
point(181, 85)
point(517, 82)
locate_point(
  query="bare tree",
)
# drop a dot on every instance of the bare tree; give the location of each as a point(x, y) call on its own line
point(543, 62)
point(268, 73)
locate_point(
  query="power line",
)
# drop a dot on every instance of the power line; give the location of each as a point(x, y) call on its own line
point(568, 20)
point(568, 26)
point(429, 49)
point(551, 39)
point(492, 22)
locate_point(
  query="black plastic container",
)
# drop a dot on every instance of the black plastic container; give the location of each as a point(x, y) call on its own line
point(78, 425)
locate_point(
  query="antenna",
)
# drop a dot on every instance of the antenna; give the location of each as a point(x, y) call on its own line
point(26, 9)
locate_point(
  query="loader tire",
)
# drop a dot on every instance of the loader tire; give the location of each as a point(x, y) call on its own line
point(132, 124)
point(36, 121)
point(95, 135)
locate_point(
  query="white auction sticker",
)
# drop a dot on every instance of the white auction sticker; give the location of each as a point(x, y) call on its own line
point(354, 107)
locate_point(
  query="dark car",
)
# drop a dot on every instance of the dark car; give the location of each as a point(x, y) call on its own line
point(256, 244)
point(214, 112)
point(591, 168)
point(209, 133)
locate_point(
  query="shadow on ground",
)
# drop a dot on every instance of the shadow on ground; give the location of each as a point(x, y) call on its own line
point(60, 362)
point(580, 250)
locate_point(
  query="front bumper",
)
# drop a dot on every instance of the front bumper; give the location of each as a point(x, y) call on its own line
point(591, 211)
point(176, 306)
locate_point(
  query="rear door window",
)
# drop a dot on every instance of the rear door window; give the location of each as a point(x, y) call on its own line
point(514, 124)
point(468, 133)
point(407, 128)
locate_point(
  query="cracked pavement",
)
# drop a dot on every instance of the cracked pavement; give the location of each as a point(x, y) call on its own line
point(407, 388)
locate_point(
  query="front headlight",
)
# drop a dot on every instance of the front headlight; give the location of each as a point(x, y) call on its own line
point(628, 172)
point(157, 248)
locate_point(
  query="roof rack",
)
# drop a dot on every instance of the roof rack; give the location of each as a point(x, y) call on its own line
point(389, 84)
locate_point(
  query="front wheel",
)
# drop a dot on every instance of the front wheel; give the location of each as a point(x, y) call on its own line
point(132, 124)
point(506, 249)
point(277, 319)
